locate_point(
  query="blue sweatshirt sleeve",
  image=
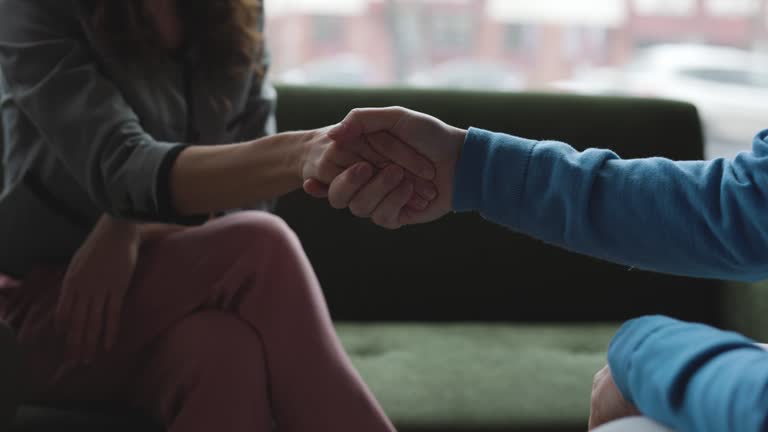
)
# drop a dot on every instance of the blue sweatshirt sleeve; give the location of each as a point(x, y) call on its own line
point(691, 377)
point(692, 218)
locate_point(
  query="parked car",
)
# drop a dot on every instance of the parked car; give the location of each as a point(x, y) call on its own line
point(469, 74)
point(728, 85)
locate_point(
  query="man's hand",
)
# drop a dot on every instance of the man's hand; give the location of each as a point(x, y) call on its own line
point(394, 133)
point(325, 158)
point(608, 404)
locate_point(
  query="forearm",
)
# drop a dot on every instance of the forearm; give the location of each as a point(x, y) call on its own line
point(116, 228)
point(209, 179)
point(108, 230)
point(690, 376)
point(700, 219)
point(128, 233)
point(153, 231)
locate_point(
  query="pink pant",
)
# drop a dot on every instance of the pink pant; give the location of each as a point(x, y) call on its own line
point(225, 328)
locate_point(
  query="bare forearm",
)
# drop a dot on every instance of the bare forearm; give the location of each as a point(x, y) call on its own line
point(118, 229)
point(154, 231)
point(208, 179)
point(128, 233)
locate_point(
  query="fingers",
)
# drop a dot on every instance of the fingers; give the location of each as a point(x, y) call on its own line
point(402, 154)
point(64, 309)
point(387, 214)
point(346, 186)
point(360, 148)
point(328, 171)
point(371, 195)
point(76, 330)
point(358, 189)
point(340, 156)
point(409, 216)
point(93, 328)
point(424, 188)
point(316, 189)
point(113, 311)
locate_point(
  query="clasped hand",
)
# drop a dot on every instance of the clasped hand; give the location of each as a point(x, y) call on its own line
point(393, 165)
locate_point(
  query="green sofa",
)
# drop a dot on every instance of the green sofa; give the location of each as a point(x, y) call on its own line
point(462, 325)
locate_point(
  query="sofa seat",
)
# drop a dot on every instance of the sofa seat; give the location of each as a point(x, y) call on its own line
point(478, 377)
point(441, 377)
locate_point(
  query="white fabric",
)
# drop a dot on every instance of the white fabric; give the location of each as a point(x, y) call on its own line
point(633, 424)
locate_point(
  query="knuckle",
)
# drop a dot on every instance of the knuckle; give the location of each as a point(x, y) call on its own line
point(383, 221)
point(336, 202)
point(359, 210)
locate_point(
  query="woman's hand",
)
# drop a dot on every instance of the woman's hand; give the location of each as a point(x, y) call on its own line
point(608, 404)
point(325, 159)
point(94, 288)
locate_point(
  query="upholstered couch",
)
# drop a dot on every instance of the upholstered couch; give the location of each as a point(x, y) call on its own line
point(462, 325)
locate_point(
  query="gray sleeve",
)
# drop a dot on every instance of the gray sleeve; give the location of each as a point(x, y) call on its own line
point(53, 79)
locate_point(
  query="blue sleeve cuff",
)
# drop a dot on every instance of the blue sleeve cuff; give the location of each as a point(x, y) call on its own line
point(490, 174)
point(624, 344)
point(651, 356)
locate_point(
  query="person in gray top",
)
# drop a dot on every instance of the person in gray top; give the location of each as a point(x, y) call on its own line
point(124, 125)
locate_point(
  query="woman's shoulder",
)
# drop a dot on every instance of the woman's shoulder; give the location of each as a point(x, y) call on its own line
point(24, 17)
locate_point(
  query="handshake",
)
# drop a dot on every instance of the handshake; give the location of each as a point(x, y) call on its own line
point(392, 165)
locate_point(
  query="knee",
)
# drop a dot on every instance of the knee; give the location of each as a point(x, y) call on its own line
point(216, 348)
point(255, 227)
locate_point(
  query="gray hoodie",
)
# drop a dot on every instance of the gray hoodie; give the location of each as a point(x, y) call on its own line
point(83, 134)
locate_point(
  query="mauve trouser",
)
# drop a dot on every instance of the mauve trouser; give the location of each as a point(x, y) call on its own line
point(224, 329)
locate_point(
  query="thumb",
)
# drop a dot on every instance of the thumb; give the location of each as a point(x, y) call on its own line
point(362, 121)
point(315, 188)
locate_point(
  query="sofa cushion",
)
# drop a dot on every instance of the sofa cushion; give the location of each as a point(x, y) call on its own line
point(473, 377)
point(451, 377)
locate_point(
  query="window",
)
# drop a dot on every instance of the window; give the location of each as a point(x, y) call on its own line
point(666, 7)
point(739, 77)
point(665, 48)
point(452, 32)
point(733, 8)
point(518, 37)
point(327, 29)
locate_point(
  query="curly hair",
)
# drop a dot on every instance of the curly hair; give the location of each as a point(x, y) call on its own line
point(224, 32)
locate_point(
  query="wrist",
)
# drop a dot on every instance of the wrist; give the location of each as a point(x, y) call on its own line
point(116, 225)
point(303, 140)
point(153, 231)
point(458, 137)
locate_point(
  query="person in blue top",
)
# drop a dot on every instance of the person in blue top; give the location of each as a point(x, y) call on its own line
point(696, 218)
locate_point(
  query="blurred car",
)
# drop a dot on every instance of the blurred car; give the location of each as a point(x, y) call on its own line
point(728, 85)
point(469, 74)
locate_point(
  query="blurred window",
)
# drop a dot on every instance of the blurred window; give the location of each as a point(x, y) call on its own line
point(627, 47)
point(666, 7)
point(327, 29)
point(452, 32)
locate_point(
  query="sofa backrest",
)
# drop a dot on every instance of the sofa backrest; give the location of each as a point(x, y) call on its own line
point(463, 268)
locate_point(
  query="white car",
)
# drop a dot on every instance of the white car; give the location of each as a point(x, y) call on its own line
point(729, 86)
point(469, 74)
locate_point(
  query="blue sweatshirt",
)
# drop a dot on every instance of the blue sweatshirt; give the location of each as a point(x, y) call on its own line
point(710, 219)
